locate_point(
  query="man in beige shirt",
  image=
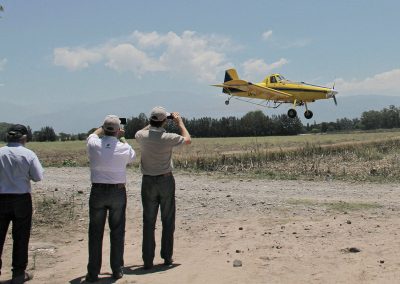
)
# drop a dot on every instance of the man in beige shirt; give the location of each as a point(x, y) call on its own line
point(158, 183)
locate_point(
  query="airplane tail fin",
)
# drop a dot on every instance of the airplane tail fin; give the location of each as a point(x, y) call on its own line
point(230, 75)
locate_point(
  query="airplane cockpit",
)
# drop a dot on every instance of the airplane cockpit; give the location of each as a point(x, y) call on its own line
point(276, 78)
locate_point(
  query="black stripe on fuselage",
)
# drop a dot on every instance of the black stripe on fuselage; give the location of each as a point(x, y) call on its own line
point(298, 90)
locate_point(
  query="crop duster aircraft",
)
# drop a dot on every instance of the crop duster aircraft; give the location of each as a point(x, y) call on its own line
point(275, 90)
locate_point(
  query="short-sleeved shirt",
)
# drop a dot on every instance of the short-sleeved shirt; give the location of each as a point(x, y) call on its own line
point(18, 166)
point(156, 150)
point(108, 158)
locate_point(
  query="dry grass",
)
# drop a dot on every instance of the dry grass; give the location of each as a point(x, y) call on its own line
point(363, 161)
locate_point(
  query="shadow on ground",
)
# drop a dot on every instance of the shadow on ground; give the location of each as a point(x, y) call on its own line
point(129, 270)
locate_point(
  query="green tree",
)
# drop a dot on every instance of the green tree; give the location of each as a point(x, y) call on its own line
point(134, 124)
point(390, 117)
point(288, 126)
point(64, 136)
point(45, 134)
point(371, 119)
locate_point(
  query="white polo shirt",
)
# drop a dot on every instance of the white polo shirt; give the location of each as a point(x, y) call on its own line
point(18, 166)
point(108, 158)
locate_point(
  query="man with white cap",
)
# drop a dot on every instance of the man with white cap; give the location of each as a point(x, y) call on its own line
point(108, 157)
point(158, 183)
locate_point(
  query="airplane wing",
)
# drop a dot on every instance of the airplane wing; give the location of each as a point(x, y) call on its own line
point(257, 91)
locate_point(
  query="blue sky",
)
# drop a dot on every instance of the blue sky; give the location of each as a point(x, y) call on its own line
point(59, 53)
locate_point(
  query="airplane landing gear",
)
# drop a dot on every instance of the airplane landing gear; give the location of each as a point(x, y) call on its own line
point(308, 114)
point(227, 102)
point(292, 113)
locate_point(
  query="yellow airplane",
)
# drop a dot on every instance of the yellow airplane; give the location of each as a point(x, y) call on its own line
point(276, 90)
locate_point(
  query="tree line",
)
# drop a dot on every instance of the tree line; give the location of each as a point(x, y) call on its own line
point(254, 123)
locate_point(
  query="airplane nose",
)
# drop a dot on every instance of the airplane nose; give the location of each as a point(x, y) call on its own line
point(331, 94)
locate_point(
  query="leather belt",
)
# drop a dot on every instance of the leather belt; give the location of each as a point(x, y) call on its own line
point(162, 175)
point(109, 186)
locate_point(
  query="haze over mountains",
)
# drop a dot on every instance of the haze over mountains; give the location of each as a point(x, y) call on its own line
point(82, 116)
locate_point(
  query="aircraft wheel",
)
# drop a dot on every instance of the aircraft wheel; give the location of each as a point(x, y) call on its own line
point(292, 113)
point(308, 114)
point(227, 102)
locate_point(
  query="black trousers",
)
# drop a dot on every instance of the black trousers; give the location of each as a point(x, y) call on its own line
point(102, 200)
point(16, 208)
point(158, 191)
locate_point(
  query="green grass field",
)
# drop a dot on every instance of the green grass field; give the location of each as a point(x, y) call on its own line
point(372, 156)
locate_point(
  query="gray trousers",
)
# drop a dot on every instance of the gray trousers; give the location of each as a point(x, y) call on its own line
point(158, 191)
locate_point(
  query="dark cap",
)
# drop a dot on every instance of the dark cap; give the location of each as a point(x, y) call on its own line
point(17, 130)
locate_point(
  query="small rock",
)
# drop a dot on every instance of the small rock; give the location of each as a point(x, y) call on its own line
point(238, 251)
point(381, 261)
point(240, 228)
point(353, 249)
point(237, 263)
point(80, 191)
point(348, 222)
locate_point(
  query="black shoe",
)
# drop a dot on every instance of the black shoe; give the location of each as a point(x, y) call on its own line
point(91, 278)
point(168, 261)
point(148, 265)
point(118, 274)
point(21, 278)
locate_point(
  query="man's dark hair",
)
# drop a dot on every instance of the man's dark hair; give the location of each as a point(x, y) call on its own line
point(156, 123)
point(13, 138)
point(16, 133)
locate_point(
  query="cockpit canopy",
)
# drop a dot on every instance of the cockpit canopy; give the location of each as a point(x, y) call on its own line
point(275, 78)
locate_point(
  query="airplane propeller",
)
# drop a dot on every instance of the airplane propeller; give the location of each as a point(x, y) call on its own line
point(334, 96)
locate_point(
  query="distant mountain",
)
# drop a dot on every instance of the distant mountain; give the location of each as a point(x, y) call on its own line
point(80, 117)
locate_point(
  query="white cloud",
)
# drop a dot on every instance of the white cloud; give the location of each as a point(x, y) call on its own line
point(126, 57)
point(202, 56)
point(266, 35)
point(75, 58)
point(3, 63)
point(386, 83)
point(254, 68)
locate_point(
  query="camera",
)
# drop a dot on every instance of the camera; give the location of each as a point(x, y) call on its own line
point(123, 120)
point(170, 116)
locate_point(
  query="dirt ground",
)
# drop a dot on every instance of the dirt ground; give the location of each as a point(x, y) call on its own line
point(231, 230)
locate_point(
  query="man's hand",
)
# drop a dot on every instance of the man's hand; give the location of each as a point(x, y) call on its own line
point(178, 120)
point(121, 133)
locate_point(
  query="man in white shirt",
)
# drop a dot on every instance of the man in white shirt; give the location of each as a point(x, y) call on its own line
point(108, 157)
point(18, 166)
